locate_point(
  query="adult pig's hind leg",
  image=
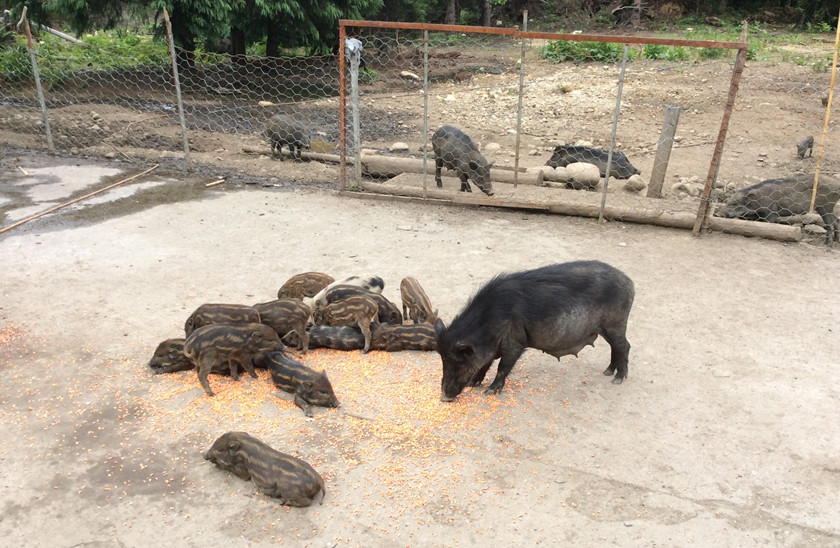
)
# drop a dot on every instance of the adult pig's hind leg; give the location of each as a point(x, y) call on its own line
point(619, 353)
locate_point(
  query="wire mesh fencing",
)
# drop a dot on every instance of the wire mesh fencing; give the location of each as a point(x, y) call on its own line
point(431, 110)
point(124, 104)
point(548, 129)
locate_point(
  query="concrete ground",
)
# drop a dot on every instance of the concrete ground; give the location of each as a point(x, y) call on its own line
point(724, 434)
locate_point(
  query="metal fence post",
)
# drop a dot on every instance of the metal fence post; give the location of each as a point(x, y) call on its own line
point(521, 93)
point(37, 76)
point(425, 109)
point(355, 56)
point(342, 109)
point(173, 56)
point(703, 210)
point(612, 136)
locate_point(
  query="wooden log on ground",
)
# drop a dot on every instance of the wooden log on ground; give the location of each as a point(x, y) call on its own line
point(377, 165)
point(306, 155)
point(640, 215)
point(773, 231)
point(450, 196)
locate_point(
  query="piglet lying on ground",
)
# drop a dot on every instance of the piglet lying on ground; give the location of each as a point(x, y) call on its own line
point(276, 474)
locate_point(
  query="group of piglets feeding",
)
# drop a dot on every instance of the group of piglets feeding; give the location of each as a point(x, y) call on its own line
point(348, 314)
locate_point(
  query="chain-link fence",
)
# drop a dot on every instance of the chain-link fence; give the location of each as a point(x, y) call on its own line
point(658, 111)
point(429, 110)
point(109, 100)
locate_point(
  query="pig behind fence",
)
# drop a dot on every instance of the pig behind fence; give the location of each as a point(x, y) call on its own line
point(773, 200)
point(559, 309)
point(282, 129)
point(276, 474)
point(621, 168)
point(455, 150)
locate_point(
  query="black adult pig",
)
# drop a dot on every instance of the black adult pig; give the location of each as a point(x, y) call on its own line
point(282, 129)
point(211, 346)
point(309, 387)
point(337, 337)
point(455, 150)
point(276, 474)
point(774, 199)
point(558, 309)
point(621, 167)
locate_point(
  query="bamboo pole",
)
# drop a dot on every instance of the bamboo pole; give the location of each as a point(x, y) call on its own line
point(827, 118)
point(174, 56)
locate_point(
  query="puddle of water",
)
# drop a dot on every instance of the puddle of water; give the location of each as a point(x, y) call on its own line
point(122, 191)
point(16, 215)
point(57, 182)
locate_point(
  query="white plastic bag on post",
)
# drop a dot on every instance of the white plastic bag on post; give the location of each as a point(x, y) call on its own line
point(353, 46)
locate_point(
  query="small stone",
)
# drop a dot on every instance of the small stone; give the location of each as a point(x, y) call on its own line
point(409, 75)
point(449, 98)
point(812, 219)
point(813, 230)
point(635, 183)
point(399, 147)
point(492, 147)
point(583, 175)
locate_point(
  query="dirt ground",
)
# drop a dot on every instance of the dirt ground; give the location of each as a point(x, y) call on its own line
point(724, 434)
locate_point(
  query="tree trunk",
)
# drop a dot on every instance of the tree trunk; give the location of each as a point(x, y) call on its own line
point(272, 41)
point(451, 12)
point(237, 41)
point(486, 11)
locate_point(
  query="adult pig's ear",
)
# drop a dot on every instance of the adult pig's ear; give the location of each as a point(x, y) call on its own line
point(464, 350)
point(439, 327)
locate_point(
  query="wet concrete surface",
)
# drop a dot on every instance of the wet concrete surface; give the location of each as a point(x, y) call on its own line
point(33, 183)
